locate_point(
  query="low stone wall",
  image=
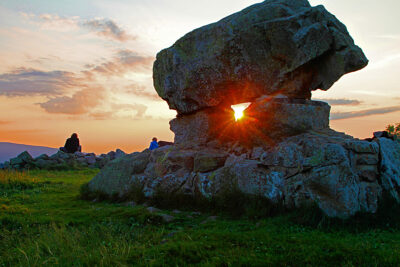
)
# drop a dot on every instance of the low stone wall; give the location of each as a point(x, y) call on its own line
point(61, 160)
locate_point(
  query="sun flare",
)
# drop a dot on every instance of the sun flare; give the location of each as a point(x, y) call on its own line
point(239, 110)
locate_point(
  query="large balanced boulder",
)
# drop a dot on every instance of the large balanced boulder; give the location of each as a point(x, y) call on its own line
point(277, 46)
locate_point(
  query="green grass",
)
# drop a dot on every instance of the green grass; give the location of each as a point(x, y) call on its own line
point(43, 222)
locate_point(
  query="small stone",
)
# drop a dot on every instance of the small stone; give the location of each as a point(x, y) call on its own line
point(176, 211)
point(362, 146)
point(130, 204)
point(209, 219)
point(79, 154)
point(257, 152)
point(119, 153)
point(208, 161)
point(167, 218)
point(42, 156)
point(153, 210)
point(367, 159)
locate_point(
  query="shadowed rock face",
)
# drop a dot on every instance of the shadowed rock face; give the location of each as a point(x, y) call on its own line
point(340, 174)
point(266, 120)
point(277, 46)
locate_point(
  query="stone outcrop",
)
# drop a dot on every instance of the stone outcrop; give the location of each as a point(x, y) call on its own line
point(271, 54)
point(342, 175)
point(61, 160)
point(275, 47)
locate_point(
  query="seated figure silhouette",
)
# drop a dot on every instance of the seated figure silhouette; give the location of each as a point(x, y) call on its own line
point(153, 144)
point(72, 144)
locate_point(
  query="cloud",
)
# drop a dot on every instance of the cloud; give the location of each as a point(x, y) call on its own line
point(139, 109)
point(124, 61)
point(53, 22)
point(102, 115)
point(79, 103)
point(101, 26)
point(28, 82)
point(108, 28)
point(5, 122)
point(389, 36)
point(340, 101)
point(140, 90)
point(363, 113)
point(390, 59)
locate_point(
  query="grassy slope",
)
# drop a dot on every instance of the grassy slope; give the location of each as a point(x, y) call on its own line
point(42, 222)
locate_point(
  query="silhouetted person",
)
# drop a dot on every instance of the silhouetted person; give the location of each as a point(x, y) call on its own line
point(72, 144)
point(153, 144)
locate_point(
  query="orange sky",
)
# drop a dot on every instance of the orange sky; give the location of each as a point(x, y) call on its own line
point(86, 67)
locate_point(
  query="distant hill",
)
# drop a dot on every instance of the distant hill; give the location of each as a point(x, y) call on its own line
point(11, 150)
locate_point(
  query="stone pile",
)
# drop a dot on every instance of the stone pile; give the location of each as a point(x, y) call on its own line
point(271, 54)
point(61, 160)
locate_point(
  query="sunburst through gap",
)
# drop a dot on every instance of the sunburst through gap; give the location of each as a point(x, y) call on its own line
point(239, 110)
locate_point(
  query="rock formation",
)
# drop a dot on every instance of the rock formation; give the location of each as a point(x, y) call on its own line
point(61, 160)
point(272, 54)
point(342, 175)
point(275, 47)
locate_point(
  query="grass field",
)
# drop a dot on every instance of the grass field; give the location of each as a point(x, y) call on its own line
point(44, 223)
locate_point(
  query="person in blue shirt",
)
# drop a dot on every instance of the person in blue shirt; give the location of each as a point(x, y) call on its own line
point(153, 144)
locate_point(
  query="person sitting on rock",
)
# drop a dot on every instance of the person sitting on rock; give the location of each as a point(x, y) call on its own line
point(153, 144)
point(72, 144)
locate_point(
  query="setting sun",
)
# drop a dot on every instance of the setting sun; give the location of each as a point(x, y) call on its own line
point(239, 110)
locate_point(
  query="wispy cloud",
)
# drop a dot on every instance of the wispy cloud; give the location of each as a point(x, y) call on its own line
point(28, 82)
point(340, 101)
point(385, 61)
point(109, 29)
point(389, 36)
point(133, 111)
point(124, 61)
point(79, 103)
point(363, 113)
point(140, 90)
point(139, 109)
point(5, 122)
point(103, 27)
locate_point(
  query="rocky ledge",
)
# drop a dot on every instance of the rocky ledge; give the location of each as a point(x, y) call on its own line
point(61, 160)
point(340, 174)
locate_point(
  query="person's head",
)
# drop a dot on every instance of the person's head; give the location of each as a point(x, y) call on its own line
point(74, 135)
point(155, 139)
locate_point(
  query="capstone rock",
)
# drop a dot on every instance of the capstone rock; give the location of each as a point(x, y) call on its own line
point(275, 47)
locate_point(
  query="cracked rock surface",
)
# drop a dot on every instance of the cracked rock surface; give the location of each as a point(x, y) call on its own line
point(275, 47)
point(342, 175)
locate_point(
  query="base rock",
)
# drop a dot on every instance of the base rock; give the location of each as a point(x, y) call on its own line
point(266, 120)
point(323, 167)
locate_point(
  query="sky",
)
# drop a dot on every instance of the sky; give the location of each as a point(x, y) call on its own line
point(85, 66)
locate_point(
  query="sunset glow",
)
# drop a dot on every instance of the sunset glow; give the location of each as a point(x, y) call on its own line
point(86, 67)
